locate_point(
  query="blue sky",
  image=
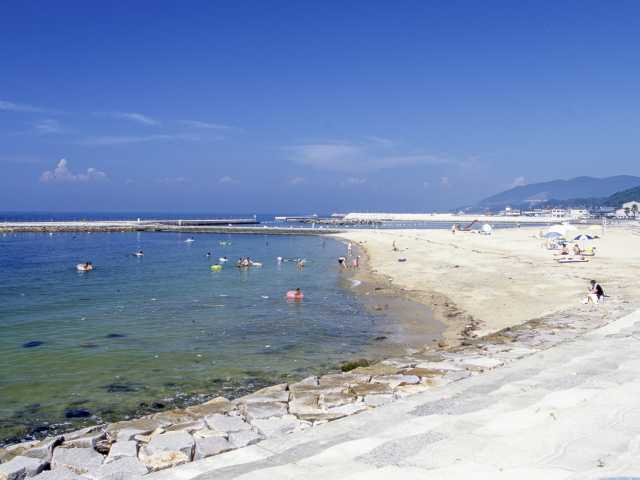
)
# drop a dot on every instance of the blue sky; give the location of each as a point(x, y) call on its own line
point(302, 107)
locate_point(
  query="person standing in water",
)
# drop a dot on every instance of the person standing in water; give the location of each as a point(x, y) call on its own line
point(349, 247)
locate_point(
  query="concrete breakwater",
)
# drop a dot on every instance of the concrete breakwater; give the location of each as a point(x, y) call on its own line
point(159, 226)
point(133, 448)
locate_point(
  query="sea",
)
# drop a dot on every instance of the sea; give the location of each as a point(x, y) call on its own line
point(144, 334)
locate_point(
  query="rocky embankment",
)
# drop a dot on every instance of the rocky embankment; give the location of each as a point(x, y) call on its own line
point(133, 448)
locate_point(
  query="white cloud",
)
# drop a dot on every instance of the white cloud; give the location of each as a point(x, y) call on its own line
point(444, 181)
point(356, 181)
point(17, 107)
point(173, 180)
point(135, 117)
point(205, 125)
point(227, 179)
point(297, 181)
point(101, 141)
point(62, 174)
point(353, 157)
point(518, 182)
point(48, 126)
point(384, 142)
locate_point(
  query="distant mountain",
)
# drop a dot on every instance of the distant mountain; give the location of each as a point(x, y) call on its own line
point(577, 188)
point(617, 199)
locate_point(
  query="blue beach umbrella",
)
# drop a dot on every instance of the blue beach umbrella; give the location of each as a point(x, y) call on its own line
point(582, 237)
point(552, 235)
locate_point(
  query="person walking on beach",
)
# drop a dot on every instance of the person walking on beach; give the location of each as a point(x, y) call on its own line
point(349, 247)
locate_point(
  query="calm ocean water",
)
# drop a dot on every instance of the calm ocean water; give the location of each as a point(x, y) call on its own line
point(139, 334)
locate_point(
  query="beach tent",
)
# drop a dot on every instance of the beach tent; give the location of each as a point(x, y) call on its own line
point(486, 229)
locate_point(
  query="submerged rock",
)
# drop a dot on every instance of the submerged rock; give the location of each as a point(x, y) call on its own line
point(32, 344)
point(116, 335)
point(77, 413)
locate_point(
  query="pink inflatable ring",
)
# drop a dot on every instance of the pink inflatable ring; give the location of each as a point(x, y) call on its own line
point(294, 295)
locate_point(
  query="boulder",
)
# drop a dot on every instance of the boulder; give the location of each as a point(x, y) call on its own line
point(207, 433)
point(122, 450)
point(207, 447)
point(171, 417)
point(276, 426)
point(226, 423)
point(44, 449)
point(127, 468)
point(162, 460)
point(88, 440)
point(254, 411)
point(188, 427)
point(78, 460)
point(128, 429)
point(396, 380)
point(59, 474)
point(169, 442)
point(216, 405)
point(244, 438)
point(371, 389)
point(343, 380)
point(21, 467)
point(377, 400)
point(275, 393)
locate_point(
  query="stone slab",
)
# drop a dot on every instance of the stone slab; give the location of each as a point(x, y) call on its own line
point(78, 460)
point(207, 447)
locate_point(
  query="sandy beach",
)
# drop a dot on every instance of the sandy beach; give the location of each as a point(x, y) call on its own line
point(486, 283)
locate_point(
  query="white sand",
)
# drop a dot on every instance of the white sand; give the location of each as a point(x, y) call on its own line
point(503, 279)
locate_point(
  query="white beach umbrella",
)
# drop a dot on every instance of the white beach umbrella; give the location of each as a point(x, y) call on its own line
point(486, 228)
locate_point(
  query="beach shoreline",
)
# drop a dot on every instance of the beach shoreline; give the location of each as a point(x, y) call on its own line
point(288, 408)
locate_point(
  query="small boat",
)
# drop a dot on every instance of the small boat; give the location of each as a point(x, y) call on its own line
point(224, 243)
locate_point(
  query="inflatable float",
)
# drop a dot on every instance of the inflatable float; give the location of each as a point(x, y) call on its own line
point(84, 267)
point(294, 295)
point(216, 268)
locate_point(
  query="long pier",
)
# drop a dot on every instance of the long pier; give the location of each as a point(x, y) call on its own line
point(184, 226)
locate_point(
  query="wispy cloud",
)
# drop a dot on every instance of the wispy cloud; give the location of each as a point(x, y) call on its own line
point(173, 180)
point(133, 117)
point(113, 140)
point(444, 182)
point(297, 181)
point(518, 182)
point(384, 142)
point(62, 174)
point(355, 181)
point(206, 125)
point(21, 107)
point(48, 126)
point(227, 179)
point(357, 157)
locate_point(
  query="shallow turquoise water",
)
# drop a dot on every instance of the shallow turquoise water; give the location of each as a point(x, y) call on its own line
point(139, 334)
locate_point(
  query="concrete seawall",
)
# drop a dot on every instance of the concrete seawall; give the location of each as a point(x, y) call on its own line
point(126, 226)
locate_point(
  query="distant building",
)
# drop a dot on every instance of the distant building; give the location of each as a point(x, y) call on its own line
point(510, 212)
point(579, 213)
point(558, 213)
point(629, 209)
